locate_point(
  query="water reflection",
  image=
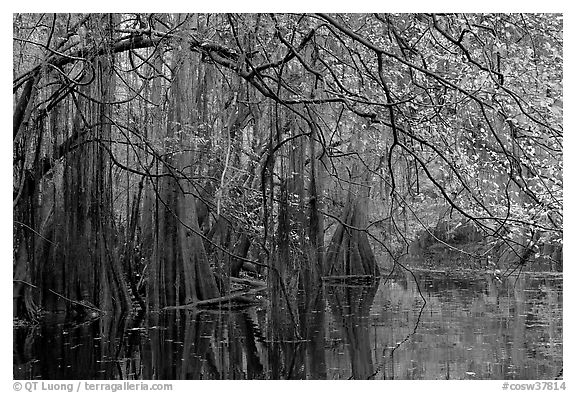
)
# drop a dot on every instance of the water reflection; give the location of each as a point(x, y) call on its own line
point(471, 328)
point(350, 306)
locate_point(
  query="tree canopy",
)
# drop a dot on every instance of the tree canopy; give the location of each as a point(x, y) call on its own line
point(170, 147)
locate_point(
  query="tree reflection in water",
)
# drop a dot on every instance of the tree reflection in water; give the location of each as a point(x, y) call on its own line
point(470, 328)
point(350, 305)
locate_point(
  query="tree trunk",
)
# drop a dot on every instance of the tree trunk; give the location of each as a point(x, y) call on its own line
point(349, 252)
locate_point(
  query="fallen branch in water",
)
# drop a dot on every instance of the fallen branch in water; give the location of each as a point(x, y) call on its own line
point(245, 281)
point(350, 277)
point(217, 300)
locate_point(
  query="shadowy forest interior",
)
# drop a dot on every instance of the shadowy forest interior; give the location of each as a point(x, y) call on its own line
point(287, 196)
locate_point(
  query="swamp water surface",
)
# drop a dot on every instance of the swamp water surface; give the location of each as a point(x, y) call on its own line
point(471, 327)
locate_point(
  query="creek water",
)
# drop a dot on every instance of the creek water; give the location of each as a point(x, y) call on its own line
point(472, 326)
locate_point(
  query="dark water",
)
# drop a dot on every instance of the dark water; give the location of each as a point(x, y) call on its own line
point(470, 328)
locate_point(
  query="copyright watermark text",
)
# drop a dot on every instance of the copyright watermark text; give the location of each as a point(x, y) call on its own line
point(84, 386)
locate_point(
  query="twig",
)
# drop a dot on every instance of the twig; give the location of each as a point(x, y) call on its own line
point(36, 232)
point(76, 302)
point(25, 282)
